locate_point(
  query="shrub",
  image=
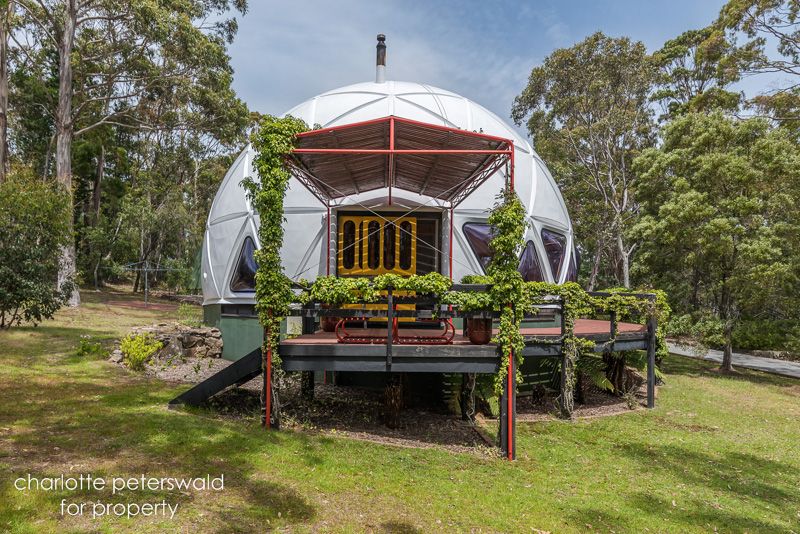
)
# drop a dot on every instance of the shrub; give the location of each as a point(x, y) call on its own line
point(765, 334)
point(748, 334)
point(34, 228)
point(137, 350)
point(90, 349)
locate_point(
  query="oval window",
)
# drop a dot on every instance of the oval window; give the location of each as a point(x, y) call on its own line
point(406, 236)
point(388, 245)
point(348, 244)
point(373, 245)
point(361, 245)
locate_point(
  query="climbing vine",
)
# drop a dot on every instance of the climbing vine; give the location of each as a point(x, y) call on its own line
point(508, 294)
point(273, 142)
point(336, 291)
point(507, 291)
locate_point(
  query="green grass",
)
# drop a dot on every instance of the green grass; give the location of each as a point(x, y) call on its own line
point(718, 453)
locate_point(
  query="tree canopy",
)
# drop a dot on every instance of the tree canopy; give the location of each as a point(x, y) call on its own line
point(587, 109)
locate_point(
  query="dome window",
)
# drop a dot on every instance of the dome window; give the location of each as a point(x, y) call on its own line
point(244, 277)
point(572, 270)
point(554, 246)
point(529, 266)
point(478, 236)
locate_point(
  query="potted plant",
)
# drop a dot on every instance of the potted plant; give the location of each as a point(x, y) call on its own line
point(479, 325)
point(479, 329)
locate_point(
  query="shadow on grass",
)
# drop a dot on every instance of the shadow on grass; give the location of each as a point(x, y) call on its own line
point(738, 475)
point(117, 428)
point(398, 527)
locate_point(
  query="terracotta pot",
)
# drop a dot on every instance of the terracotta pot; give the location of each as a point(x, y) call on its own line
point(479, 331)
point(329, 323)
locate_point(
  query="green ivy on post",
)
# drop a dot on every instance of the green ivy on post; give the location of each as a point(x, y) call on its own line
point(273, 142)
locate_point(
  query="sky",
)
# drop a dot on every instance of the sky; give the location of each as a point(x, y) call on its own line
point(287, 52)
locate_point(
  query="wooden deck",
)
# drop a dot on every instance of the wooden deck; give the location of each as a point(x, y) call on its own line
point(321, 350)
point(589, 328)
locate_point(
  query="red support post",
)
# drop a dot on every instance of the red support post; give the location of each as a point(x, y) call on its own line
point(390, 174)
point(511, 382)
point(512, 415)
point(450, 245)
point(328, 241)
point(511, 157)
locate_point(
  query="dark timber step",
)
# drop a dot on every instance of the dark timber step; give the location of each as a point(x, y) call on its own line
point(242, 370)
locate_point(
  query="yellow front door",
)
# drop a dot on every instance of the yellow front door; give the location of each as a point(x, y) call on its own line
point(371, 245)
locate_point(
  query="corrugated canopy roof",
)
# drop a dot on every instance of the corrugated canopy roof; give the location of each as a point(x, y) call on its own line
point(393, 152)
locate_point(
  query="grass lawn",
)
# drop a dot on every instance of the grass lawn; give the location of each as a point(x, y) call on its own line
point(718, 453)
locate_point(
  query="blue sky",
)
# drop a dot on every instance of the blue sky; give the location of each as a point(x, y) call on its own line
point(286, 52)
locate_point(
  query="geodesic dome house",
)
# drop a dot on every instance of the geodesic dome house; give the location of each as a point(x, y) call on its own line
point(366, 220)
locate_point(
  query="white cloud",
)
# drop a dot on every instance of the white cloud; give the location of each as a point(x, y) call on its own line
point(288, 52)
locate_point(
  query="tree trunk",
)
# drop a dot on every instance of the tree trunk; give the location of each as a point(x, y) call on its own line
point(727, 356)
point(4, 29)
point(64, 131)
point(98, 180)
point(727, 317)
point(598, 255)
point(624, 257)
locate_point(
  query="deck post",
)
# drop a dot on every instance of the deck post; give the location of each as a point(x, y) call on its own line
point(307, 377)
point(565, 364)
point(467, 399)
point(266, 390)
point(508, 412)
point(651, 361)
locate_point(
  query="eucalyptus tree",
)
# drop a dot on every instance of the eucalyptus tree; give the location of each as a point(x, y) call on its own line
point(721, 219)
point(695, 70)
point(587, 109)
point(771, 29)
point(117, 61)
point(6, 10)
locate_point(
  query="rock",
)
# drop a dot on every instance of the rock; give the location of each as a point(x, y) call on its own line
point(184, 341)
point(214, 348)
point(172, 348)
point(115, 356)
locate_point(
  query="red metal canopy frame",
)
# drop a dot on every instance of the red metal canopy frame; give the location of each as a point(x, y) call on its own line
point(391, 152)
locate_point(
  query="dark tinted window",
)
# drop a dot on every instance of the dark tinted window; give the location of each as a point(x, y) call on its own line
point(348, 244)
point(529, 266)
point(427, 243)
point(574, 261)
point(478, 236)
point(406, 235)
point(361, 245)
point(373, 244)
point(388, 245)
point(244, 277)
point(554, 247)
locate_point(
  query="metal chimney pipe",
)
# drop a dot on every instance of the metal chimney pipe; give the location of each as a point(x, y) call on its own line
point(380, 60)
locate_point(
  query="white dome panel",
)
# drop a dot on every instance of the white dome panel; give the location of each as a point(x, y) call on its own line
point(304, 253)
